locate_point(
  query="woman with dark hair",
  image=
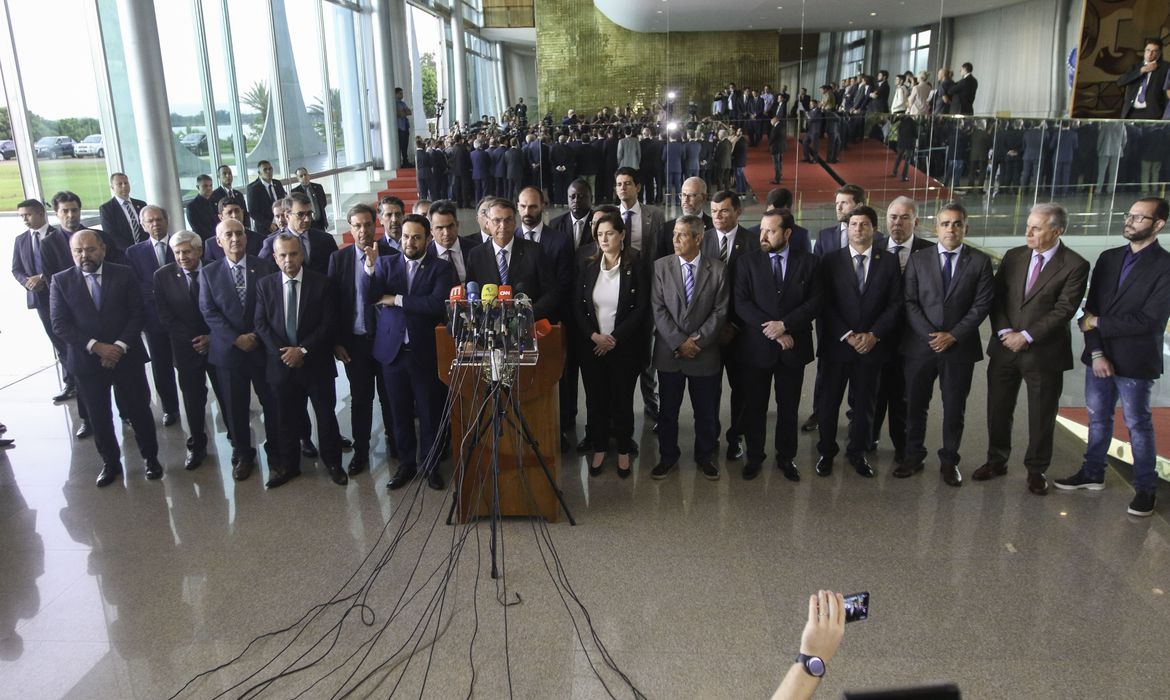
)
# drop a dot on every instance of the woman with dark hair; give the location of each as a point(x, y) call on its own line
point(611, 308)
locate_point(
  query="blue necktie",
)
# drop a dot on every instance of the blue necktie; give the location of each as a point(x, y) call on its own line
point(948, 271)
point(290, 315)
point(37, 251)
point(95, 289)
point(503, 266)
point(860, 269)
point(411, 268)
point(777, 271)
point(241, 286)
point(689, 281)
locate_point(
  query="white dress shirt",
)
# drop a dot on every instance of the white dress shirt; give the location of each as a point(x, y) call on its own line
point(456, 258)
point(605, 296)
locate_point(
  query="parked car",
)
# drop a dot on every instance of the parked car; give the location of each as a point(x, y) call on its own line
point(55, 147)
point(195, 142)
point(92, 145)
point(7, 149)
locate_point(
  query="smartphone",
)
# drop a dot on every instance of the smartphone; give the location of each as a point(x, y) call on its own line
point(857, 606)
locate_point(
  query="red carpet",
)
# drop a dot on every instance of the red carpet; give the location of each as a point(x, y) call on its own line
point(404, 187)
point(809, 182)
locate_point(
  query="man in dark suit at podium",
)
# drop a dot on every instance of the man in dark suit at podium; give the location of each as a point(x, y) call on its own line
point(355, 336)
point(508, 259)
point(294, 312)
point(120, 214)
point(97, 311)
point(410, 290)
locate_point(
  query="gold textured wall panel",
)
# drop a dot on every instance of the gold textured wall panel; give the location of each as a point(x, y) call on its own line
point(586, 62)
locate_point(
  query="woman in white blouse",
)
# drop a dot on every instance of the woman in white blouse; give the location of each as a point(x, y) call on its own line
point(612, 312)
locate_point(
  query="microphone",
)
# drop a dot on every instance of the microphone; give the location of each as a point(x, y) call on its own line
point(457, 293)
point(453, 298)
point(472, 291)
point(541, 328)
point(489, 293)
point(504, 294)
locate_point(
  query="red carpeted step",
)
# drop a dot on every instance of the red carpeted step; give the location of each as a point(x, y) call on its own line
point(810, 184)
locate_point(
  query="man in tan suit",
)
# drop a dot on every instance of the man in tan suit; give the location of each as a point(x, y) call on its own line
point(1038, 289)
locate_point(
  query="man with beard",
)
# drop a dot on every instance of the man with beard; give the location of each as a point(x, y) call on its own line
point(1124, 321)
point(410, 290)
point(97, 310)
point(390, 212)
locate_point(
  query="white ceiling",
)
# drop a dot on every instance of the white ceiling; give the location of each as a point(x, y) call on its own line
point(784, 15)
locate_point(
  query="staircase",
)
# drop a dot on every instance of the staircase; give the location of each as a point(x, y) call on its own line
point(404, 187)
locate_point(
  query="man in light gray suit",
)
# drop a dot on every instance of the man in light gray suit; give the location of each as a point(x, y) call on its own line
point(643, 234)
point(689, 306)
point(948, 289)
point(629, 152)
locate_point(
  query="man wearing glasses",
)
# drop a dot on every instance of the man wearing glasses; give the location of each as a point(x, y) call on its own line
point(318, 245)
point(1124, 322)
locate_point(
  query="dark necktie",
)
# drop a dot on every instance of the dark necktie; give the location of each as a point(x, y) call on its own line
point(290, 314)
point(37, 251)
point(95, 289)
point(241, 284)
point(948, 271)
point(689, 281)
point(193, 284)
point(135, 227)
point(723, 248)
point(777, 272)
point(898, 252)
point(860, 270)
point(628, 217)
point(502, 265)
point(1126, 267)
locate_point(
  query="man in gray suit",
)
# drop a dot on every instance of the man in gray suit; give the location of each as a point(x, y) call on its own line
point(629, 151)
point(689, 306)
point(643, 233)
point(948, 289)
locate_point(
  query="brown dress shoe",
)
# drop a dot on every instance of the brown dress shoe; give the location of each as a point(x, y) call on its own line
point(1037, 484)
point(989, 471)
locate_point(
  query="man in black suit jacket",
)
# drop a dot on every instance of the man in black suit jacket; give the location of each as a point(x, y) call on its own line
point(97, 310)
point(1038, 289)
point(225, 191)
point(202, 213)
point(227, 298)
point(513, 261)
point(961, 97)
point(901, 223)
point(728, 242)
point(948, 293)
point(176, 298)
point(294, 319)
point(120, 214)
point(863, 288)
point(354, 344)
point(556, 244)
point(316, 194)
point(781, 198)
point(317, 245)
point(777, 296)
point(38, 253)
point(1124, 324)
point(879, 94)
point(1145, 94)
point(144, 259)
point(263, 192)
point(777, 142)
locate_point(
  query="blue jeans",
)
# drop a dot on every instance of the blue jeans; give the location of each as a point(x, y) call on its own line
point(1101, 401)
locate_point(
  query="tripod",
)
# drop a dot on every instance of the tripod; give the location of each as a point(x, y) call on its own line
point(501, 399)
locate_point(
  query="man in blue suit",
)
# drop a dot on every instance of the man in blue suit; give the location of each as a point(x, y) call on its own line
point(38, 253)
point(144, 259)
point(293, 317)
point(410, 290)
point(97, 310)
point(227, 298)
point(481, 169)
point(1124, 322)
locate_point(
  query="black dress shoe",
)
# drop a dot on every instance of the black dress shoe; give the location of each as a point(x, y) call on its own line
point(358, 463)
point(1037, 484)
point(170, 419)
point(69, 392)
point(951, 475)
point(243, 469)
point(709, 471)
point(824, 466)
point(435, 479)
point(735, 449)
point(751, 471)
point(276, 480)
point(401, 478)
point(346, 443)
point(861, 466)
point(5, 443)
point(308, 449)
point(989, 471)
point(565, 444)
point(337, 474)
point(871, 447)
point(908, 469)
point(789, 470)
point(109, 474)
point(660, 470)
point(195, 457)
point(811, 425)
point(83, 430)
point(154, 470)
point(583, 446)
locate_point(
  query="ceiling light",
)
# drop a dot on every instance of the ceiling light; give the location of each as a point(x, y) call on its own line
point(873, 14)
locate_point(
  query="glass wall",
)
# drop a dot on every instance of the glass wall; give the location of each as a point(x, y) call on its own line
point(189, 117)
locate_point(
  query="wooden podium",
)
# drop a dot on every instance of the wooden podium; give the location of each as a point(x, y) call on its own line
point(536, 387)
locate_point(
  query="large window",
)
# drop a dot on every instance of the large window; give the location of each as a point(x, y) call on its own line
point(853, 57)
point(189, 122)
point(920, 51)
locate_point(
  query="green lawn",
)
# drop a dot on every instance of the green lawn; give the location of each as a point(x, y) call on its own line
point(85, 176)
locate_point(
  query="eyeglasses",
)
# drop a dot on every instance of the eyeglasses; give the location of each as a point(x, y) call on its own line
point(301, 214)
point(1137, 218)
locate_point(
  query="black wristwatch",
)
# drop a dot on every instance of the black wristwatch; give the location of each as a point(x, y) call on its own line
point(813, 665)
